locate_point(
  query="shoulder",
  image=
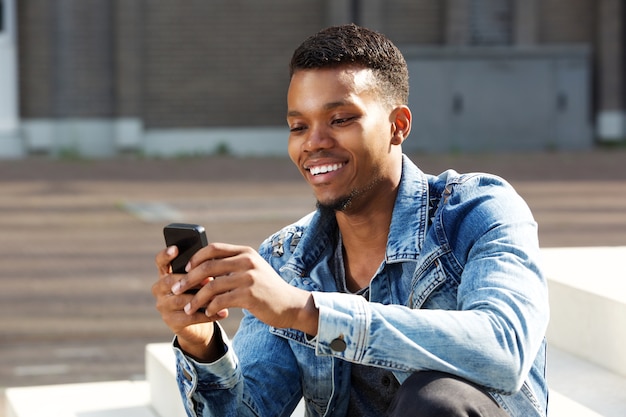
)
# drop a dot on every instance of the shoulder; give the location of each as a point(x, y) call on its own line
point(455, 188)
point(476, 202)
point(283, 242)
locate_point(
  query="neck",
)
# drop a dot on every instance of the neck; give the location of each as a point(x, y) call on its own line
point(364, 236)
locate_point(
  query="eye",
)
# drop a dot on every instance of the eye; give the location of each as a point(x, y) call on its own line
point(296, 128)
point(343, 120)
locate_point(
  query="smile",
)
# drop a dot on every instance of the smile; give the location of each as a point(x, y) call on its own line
point(323, 169)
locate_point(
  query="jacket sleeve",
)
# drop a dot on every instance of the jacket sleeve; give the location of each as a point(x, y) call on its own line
point(261, 379)
point(484, 307)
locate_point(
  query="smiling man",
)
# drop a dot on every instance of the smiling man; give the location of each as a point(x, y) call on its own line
point(403, 294)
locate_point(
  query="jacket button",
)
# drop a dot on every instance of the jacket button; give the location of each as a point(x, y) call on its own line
point(338, 345)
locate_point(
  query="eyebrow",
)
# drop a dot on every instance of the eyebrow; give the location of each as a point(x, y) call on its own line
point(328, 106)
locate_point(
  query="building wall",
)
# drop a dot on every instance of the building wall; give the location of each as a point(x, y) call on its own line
point(139, 69)
point(566, 21)
point(66, 58)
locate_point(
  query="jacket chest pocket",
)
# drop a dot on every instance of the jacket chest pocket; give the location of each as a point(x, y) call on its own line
point(432, 288)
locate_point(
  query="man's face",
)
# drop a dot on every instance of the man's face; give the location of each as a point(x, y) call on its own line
point(340, 135)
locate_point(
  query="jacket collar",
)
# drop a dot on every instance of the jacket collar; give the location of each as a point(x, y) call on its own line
point(410, 214)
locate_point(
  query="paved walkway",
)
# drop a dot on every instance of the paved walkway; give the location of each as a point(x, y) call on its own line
point(78, 238)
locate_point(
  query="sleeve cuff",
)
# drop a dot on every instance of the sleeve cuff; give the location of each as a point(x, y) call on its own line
point(344, 322)
point(223, 373)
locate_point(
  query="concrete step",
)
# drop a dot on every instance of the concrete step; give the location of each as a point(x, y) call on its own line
point(580, 388)
point(586, 366)
point(161, 375)
point(97, 399)
point(588, 304)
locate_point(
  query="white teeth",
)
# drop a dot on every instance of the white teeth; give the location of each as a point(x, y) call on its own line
point(323, 169)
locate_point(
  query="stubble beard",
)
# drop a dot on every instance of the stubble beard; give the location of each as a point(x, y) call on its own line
point(344, 203)
point(339, 204)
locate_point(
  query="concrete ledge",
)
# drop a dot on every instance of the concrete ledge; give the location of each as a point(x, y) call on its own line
point(255, 141)
point(588, 303)
point(586, 367)
point(97, 399)
point(560, 405)
point(161, 375)
point(580, 388)
point(10, 145)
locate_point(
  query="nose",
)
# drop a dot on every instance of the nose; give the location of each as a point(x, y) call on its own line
point(319, 137)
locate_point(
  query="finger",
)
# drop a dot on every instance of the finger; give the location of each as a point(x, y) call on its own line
point(164, 284)
point(164, 258)
point(180, 323)
point(219, 305)
point(189, 283)
point(165, 299)
point(217, 295)
point(219, 267)
point(220, 315)
point(202, 274)
point(216, 250)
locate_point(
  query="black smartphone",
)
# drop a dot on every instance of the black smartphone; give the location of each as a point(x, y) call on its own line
point(189, 238)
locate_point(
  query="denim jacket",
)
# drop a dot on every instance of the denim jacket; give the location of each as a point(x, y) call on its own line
point(460, 291)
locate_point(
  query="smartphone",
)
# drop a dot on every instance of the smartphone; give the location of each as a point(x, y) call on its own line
point(189, 238)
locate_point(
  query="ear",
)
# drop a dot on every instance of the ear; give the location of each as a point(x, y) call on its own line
point(401, 124)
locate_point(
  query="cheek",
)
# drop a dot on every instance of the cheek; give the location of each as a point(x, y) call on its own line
point(293, 149)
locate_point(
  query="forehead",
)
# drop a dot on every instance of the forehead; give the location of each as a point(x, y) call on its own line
point(329, 83)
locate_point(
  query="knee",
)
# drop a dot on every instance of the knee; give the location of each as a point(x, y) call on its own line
point(427, 394)
point(431, 393)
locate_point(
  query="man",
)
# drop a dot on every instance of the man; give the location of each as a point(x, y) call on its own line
point(403, 294)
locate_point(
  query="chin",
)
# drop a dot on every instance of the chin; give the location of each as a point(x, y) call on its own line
point(338, 204)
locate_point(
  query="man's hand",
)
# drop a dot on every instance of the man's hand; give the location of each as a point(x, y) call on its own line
point(194, 331)
point(237, 276)
point(226, 276)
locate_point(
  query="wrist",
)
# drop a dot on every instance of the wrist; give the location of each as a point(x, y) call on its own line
point(205, 352)
point(308, 317)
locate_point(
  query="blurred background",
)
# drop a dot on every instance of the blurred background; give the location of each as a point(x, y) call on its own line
point(105, 77)
point(120, 116)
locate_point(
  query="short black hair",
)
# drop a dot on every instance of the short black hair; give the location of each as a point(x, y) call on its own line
point(352, 45)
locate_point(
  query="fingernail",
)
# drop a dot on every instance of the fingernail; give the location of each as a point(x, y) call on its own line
point(171, 250)
point(188, 267)
point(176, 288)
point(187, 308)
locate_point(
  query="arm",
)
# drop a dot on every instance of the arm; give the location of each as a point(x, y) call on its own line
point(210, 376)
point(194, 332)
point(262, 378)
point(485, 323)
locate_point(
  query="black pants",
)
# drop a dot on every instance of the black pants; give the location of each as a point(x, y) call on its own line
point(437, 394)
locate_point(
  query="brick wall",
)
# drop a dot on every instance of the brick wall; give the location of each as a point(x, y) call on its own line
point(128, 65)
point(175, 64)
point(222, 62)
point(35, 50)
point(566, 21)
point(66, 60)
point(414, 21)
point(612, 56)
